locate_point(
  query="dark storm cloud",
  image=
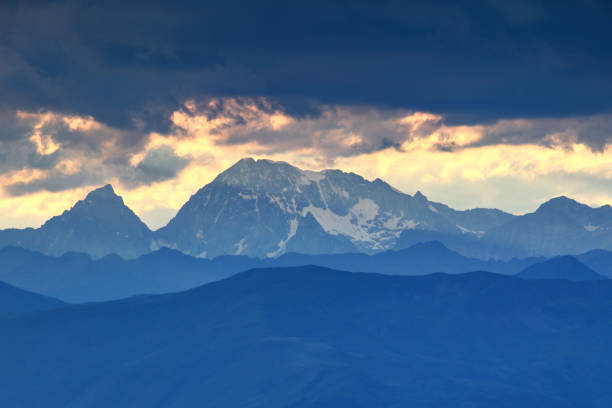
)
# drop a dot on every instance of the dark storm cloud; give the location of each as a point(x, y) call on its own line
point(16, 151)
point(11, 127)
point(335, 131)
point(54, 182)
point(337, 68)
point(158, 165)
point(129, 64)
point(593, 131)
point(76, 151)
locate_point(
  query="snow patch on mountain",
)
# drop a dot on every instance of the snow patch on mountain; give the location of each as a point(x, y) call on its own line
point(365, 210)
point(464, 230)
point(392, 222)
point(240, 247)
point(261, 198)
point(331, 222)
point(363, 223)
point(396, 222)
point(286, 206)
point(591, 228)
point(247, 196)
point(293, 226)
point(353, 225)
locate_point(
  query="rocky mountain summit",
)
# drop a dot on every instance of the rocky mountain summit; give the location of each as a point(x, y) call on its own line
point(98, 225)
point(261, 208)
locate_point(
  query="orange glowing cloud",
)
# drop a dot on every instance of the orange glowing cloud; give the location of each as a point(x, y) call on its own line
point(511, 164)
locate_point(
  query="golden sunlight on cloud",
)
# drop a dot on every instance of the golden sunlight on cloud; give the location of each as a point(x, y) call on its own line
point(43, 142)
point(410, 150)
point(491, 174)
point(34, 209)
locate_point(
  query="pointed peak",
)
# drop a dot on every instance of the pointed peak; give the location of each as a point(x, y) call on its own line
point(381, 182)
point(102, 196)
point(419, 196)
point(105, 191)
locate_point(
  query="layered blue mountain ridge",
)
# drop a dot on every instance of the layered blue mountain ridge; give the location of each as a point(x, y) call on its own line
point(77, 278)
point(262, 208)
point(313, 337)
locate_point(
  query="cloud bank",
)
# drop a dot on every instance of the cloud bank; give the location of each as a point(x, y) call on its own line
point(131, 66)
point(50, 154)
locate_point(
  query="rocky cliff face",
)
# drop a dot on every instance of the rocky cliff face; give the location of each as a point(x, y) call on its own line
point(262, 208)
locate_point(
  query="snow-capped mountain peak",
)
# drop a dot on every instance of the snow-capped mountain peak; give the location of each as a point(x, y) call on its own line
point(256, 207)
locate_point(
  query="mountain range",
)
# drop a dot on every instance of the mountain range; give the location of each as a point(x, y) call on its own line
point(77, 278)
point(314, 337)
point(264, 209)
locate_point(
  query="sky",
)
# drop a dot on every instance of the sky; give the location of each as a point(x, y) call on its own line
point(475, 104)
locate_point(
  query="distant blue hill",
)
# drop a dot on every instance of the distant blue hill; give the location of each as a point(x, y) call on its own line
point(466, 244)
point(77, 278)
point(561, 267)
point(14, 301)
point(418, 259)
point(599, 260)
point(314, 337)
point(559, 226)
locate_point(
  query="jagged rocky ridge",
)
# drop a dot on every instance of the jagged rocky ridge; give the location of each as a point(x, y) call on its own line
point(264, 209)
point(77, 278)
